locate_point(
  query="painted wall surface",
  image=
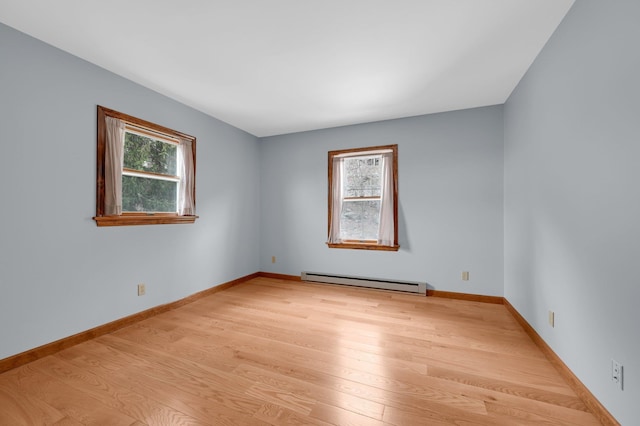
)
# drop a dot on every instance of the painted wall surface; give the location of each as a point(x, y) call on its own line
point(450, 176)
point(59, 273)
point(572, 203)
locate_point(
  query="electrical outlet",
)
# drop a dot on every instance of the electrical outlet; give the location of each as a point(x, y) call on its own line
point(142, 290)
point(617, 373)
point(552, 319)
point(465, 276)
point(273, 259)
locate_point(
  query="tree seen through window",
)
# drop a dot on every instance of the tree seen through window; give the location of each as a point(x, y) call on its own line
point(149, 181)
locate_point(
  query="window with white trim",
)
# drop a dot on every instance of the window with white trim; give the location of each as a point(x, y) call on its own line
point(363, 198)
point(146, 172)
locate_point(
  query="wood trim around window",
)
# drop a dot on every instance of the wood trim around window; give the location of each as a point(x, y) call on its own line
point(130, 219)
point(134, 218)
point(364, 245)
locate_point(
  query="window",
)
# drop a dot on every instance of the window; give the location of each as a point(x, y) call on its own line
point(146, 172)
point(363, 198)
point(149, 173)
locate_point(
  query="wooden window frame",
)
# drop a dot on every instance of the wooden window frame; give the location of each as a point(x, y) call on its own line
point(135, 218)
point(366, 244)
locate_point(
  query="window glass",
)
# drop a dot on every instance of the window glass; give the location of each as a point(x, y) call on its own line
point(360, 220)
point(148, 195)
point(362, 176)
point(149, 155)
point(149, 181)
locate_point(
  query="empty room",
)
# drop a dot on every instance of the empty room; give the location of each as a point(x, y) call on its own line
point(357, 212)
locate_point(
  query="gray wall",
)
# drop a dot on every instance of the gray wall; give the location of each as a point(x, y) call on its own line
point(572, 203)
point(450, 201)
point(59, 273)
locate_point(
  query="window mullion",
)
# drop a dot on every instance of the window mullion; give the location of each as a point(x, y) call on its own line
point(150, 175)
point(367, 198)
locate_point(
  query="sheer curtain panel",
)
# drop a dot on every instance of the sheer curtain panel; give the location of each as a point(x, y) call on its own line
point(336, 201)
point(114, 157)
point(186, 203)
point(386, 231)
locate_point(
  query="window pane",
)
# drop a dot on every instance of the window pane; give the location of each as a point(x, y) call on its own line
point(360, 220)
point(148, 195)
point(149, 155)
point(362, 176)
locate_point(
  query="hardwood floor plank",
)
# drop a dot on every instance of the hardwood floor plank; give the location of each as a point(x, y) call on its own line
point(111, 394)
point(518, 416)
point(141, 376)
point(312, 390)
point(68, 400)
point(67, 421)
point(528, 392)
point(276, 415)
point(401, 417)
point(338, 416)
point(254, 330)
point(192, 378)
point(18, 407)
point(374, 388)
point(275, 395)
point(210, 411)
point(538, 372)
point(276, 352)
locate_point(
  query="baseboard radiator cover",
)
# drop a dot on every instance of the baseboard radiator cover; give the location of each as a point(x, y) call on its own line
point(383, 284)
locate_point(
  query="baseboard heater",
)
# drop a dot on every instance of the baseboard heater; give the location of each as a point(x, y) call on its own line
point(407, 286)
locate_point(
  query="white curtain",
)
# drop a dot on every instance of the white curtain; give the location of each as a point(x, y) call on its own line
point(114, 157)
point(386, 231)
point(186, 201)
point(336, 201)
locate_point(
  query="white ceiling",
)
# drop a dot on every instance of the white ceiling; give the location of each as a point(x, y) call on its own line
point(282, 66)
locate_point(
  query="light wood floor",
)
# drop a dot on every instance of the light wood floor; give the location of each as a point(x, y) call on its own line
point(291, 353)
